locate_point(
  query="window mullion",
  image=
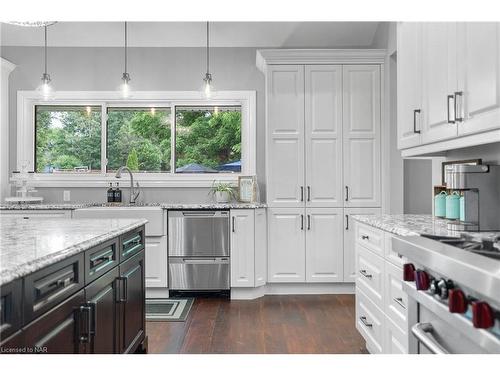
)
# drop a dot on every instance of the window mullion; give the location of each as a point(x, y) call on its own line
point(172, 139)
point(104, 127)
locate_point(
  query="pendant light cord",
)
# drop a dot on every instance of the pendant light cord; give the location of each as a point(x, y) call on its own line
point(125, 46)
point(208, 49)
point(45, 50)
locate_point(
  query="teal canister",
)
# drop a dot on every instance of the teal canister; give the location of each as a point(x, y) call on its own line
point(453, 206)
point(440, 204)
point(462, 208)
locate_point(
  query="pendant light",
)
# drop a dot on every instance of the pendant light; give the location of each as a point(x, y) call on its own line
point(208, 87)
point(45, 87)
point(125, 86)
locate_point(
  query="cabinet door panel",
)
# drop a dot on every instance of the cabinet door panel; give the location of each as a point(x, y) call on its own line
point(156, 262)
point(285, 134)
point(439, 76)
point(286, 252)
point(324, 250)
point(132, 309)
point(409, 84)
point(361, 125)
point(479, 76)
point(323, 135)
point(350, 271)
point(242, 248)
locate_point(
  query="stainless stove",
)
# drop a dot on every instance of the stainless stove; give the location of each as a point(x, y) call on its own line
point(453, 287)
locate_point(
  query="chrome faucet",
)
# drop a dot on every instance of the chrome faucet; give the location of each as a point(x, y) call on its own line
point(133, 192)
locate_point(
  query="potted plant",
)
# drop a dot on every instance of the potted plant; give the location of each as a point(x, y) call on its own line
point(223, 192)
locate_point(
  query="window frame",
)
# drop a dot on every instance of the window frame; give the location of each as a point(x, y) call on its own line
point(27, 100)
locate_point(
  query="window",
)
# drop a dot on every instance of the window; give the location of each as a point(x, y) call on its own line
point(139, 138)
point(67, 139)
point(208, 139)
point(169, 138)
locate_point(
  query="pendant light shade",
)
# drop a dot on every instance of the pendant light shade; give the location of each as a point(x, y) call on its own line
point(208, 86)
point(125, 86)
point(45, 87)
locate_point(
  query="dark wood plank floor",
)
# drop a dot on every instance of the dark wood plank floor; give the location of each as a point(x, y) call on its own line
point(271, 324)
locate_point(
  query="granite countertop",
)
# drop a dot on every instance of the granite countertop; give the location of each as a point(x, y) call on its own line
point(169, 206)
point(414, 225)
point(29, 245)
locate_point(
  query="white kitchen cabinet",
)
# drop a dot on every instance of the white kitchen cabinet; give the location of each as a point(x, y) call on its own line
point(323, 135)
point(242, 248)
point(285, 135)
point(286, 245)
point(478, 77)
point(350, 272)
point(156, 275)
point(409, 89)
point(324, 245)
point(361, 133)
point(36, 214)
point(439, 79)
point(260, 247)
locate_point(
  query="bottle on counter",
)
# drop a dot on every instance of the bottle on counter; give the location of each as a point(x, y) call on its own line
point(117, 193)
point(111, 193)
point(453, 206)
point(440, 204)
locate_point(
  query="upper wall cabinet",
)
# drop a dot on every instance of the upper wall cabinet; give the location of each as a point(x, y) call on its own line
point(285, 137)
point(361, 126)
point(448, 86)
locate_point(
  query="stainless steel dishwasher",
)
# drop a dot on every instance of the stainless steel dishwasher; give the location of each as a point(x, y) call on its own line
point(198, 250)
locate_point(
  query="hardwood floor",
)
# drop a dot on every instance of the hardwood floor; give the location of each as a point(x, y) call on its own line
point(271, 324)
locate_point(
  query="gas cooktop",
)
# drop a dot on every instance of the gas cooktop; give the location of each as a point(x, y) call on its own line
point(488, 246)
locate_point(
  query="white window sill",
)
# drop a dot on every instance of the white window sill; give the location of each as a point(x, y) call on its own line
point(145, 180)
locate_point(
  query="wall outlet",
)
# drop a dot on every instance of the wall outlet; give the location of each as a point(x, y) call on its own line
point(66, 195)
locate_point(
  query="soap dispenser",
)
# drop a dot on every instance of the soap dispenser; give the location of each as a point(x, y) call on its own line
point(118, 193)
point(111, 193)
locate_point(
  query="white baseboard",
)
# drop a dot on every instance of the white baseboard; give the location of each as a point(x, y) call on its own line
point(157, 293)
point(291, 289)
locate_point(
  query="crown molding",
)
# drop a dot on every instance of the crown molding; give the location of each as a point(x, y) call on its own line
point(318, 56)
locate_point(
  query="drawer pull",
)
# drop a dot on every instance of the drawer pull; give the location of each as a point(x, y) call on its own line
point(101, 258)
point(399, 301)
point(364, 237)
point(365, 274)
point(132, 241)
point(122, 292)
point(60, 281)
point(363, 320)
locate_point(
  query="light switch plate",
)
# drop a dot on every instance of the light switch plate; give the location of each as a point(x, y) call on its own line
point(66, 195)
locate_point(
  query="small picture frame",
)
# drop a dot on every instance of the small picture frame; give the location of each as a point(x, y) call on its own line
point(247, 189)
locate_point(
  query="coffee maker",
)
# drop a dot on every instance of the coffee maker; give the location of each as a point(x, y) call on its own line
point(479, 185)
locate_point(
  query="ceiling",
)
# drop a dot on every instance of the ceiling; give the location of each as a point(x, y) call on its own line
point(192, 34)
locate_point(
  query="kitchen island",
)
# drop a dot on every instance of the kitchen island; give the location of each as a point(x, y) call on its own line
point(72, 286)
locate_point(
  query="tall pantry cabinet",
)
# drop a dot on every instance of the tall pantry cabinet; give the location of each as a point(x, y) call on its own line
point(323, 159)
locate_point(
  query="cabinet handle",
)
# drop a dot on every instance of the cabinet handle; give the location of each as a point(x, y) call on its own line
point(84, 311)
point(233, 224)
point(302, 193)
point(308, 193)
point(346, 222)
point(459, 94)
point(308, 222)
point(365, 274)
point(93, 309)
point(449, 97)
point(363, 320)
point(301, 222)
point(415, 111)
point(347, 193)
point(122, 294)
point(399, 301)
point(364, 237)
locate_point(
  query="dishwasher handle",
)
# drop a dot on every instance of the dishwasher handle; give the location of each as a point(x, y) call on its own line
point(423, 333)
point(197, 260)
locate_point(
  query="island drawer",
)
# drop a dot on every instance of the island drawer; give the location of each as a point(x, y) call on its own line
point(131, 243)
point(10, 308)
point(370, 275)
point(101, 259)
point(371, 238)
point(49, 286)
point(370, 322)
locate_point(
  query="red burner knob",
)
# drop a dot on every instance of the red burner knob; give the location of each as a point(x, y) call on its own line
point(482, 315)
point(409, 272)
point(457, 303)
point(422, 280)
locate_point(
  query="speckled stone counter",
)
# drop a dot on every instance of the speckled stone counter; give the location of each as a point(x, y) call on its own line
point(29, 245)
point(166, 206)
point(414, 225)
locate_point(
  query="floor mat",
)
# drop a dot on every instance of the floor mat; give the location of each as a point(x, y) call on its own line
point(168, 310)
